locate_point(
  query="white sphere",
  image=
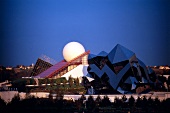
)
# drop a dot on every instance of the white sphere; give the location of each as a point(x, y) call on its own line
point(72, 50)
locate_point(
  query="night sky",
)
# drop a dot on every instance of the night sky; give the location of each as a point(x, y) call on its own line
point(30, 28)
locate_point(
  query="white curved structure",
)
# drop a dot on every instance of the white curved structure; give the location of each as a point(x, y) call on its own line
point(72, 50)
point(77, 72)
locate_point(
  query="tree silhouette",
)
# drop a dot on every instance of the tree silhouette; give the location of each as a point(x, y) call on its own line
point(2, 105)
point(28, 82)
point(58, 81)
point(117, 102)
point(144, 102)
point(80, 103)
point(98, 100)
point(77, 82)
point(165, 105)
point(157, 102)
point(13, 104)
point(124, 99)
point(52, 82)
point(138, 102)
point(64, 81)
point(70, 80)
point(40, 81)
point(105, 101)
point(82, 98)
point(168, 83)
point(90, 103)
point(45, 105)
point(131, 101)
point(150, 102)
point(46, 81)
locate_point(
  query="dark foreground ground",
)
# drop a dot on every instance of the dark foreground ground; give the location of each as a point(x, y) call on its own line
point(123, 105)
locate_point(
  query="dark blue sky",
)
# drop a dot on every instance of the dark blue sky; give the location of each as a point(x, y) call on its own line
point(30, 28)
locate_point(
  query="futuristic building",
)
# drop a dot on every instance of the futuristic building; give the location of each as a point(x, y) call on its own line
point(75, 66)
point(118, 71)
point(42, 64)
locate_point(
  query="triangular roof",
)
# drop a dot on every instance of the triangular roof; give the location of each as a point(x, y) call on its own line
point(90, 56)
point(102, 53)
point(119, 53)
point(52, 69)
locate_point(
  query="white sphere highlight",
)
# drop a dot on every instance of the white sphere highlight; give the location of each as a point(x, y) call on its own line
point(72, 50)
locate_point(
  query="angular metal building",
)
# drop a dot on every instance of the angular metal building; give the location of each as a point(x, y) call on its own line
point(119, 70)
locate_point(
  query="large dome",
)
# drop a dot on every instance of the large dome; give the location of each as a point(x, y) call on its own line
point(72, 50)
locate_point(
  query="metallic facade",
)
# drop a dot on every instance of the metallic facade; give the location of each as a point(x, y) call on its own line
point(118, 70)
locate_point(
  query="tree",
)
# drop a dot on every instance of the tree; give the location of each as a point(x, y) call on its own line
point(52, 81)
point(82, 98)
point(77, 81)
point(144, 102)
point(28, 82)
point(124, 101)
point(46, 81)
point(118, 102)
point(156, 102)
point(90, 103)
point(40, 81)
point(58, 81)
point(98, 100)
point(138, 102)
point(64, 81)
point(80, 103)
point(131, 101)
point(34, 82)
point(2, 104)
point(15, 99)
point(70, 80)
point(150, 102)
point(20, 84)
point(124, 98)
point(105, 101)
point(168, 82)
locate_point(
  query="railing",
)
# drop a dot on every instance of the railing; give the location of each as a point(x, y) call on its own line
point(68, 64)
